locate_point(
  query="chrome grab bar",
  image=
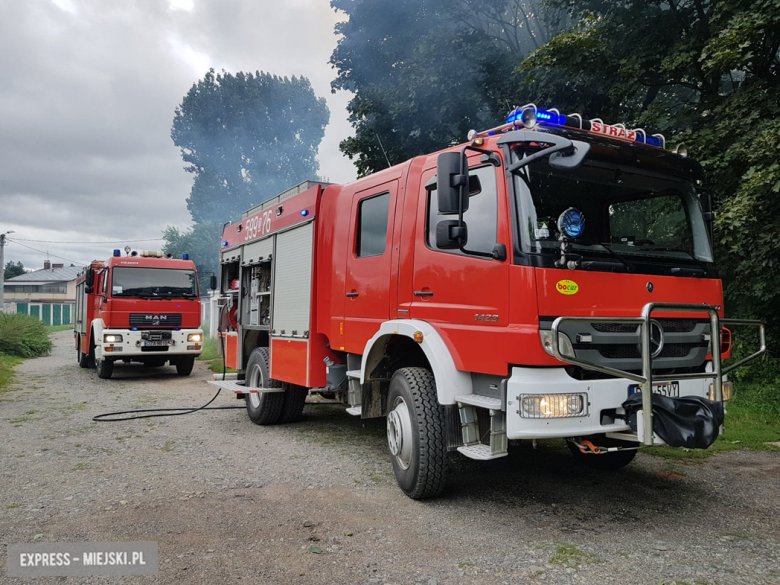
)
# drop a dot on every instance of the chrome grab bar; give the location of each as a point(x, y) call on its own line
point(646, 378)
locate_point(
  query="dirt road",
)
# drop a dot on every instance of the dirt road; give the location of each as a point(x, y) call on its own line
point(316, 502)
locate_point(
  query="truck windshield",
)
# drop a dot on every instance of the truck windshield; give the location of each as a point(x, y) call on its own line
point(640, 216)
point(153, 283)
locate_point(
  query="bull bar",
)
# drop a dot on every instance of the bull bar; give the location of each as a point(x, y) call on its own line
point(646, 378)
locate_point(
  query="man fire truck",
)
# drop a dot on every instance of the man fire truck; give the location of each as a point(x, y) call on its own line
point(529, 284)
point(138, 308)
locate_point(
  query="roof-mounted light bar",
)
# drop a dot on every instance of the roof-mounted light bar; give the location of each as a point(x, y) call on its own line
point(522, 116)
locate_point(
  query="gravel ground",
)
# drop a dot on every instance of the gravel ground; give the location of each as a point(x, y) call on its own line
point(316, 501)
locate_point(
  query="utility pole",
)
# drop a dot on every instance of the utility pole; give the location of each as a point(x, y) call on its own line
point(2, 270)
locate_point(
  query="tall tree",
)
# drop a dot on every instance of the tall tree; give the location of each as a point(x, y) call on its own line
point(707, 71)
point(425, 72)
point(12, 269)
point(247, 137)
point(201, 242)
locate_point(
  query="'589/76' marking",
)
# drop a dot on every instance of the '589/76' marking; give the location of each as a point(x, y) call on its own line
point(258, 225)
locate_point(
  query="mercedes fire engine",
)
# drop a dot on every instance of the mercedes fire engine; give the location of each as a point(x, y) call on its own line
point(138, 308)
point(529, 284)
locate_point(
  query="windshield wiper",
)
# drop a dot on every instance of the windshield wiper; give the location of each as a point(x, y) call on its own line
point(616, 256)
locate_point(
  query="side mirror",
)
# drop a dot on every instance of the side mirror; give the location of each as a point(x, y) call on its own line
point(449, 182)
point(213, 282)
point(89, 289)
point(90, 280)
point(449, 236)
point(571, 158)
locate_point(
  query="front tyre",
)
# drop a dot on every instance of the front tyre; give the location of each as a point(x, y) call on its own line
point(416, 433)
point(105, 368)
point(263, 408)
point(184, 365)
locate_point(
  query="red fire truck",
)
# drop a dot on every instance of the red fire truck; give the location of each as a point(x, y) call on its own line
point(527, 284)
point(138, 308)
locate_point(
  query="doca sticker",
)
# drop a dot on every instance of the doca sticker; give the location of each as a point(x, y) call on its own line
point(567, 287)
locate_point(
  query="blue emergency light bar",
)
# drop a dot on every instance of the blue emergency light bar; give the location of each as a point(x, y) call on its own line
point(529, 116)
point(185, 256)
point(117, 253)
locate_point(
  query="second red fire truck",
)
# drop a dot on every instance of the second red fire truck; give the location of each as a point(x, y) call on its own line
point(535, 282)
point(138, 308)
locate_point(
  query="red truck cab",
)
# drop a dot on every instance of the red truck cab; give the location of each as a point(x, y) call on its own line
point(138, 308)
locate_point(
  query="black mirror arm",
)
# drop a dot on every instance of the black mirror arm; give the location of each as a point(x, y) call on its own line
point(541, 154)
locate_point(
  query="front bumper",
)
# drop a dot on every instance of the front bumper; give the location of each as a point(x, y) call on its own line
point(604, 398)
point(133, 345)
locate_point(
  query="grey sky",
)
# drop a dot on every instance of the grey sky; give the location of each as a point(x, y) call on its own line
point(87, 97)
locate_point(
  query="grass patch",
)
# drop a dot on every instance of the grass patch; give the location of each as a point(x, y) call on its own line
point(12, 506)
point(210, 349)
point(23, 336)
point(569, 555)
point(7, 364)
point(216, 367)
point(21, 419)
point(752, 421)
point(168, 446)
point(55, 328)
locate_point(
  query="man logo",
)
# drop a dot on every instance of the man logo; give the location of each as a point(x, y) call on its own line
point(156, 319)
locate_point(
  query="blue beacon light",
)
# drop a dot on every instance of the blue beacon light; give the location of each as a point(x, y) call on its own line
point(304, 212)
point(185, 256)
point(117, 252)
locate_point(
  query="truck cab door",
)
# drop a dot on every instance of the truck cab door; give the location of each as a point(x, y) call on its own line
point(367, 283)
point(465, 297)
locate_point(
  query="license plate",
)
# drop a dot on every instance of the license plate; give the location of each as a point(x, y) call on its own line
point(158, 342)
point(670, 389)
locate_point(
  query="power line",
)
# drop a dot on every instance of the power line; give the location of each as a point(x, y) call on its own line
point(104, 242)
point(47, 253)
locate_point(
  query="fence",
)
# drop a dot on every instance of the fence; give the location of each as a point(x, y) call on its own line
point(49, 313)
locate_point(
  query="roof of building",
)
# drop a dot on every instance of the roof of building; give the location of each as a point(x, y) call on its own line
point(45, 275)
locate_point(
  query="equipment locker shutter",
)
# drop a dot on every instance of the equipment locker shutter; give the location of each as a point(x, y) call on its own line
point(257, 250)
point(231, 255)
point(292, 282)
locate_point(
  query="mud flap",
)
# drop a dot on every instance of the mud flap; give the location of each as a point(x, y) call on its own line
point(689, 421)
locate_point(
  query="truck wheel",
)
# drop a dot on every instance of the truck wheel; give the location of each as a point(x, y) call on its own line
point(415, 433)
point(184, 365)
point(83, 357)
point(262, 408)
point(105, 368)
point(606, 461)
point(294, 399)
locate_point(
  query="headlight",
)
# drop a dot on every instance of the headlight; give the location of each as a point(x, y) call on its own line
point(564, 343)
point(112, 338)
point(553, 405)
point(197, 337)
point(727, 388)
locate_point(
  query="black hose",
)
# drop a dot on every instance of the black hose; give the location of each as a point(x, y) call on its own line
point(174, 411)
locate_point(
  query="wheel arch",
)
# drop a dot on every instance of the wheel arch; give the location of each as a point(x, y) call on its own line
point(96, 333)
point(399, 334)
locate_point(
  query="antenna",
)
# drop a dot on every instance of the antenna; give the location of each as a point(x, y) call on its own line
point(383, 149)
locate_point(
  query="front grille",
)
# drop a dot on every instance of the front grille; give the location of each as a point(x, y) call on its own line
point(668, 325)
point(156, 335)
point(149, 320)
point(623, 351)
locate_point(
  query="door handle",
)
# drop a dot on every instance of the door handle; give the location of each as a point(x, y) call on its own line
point(352, 294)
point(423, 293)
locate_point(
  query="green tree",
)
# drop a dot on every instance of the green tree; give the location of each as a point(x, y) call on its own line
point(12, 270)
point(706, 72)
point(425, 72)
point(247, 137)
point(201, 242)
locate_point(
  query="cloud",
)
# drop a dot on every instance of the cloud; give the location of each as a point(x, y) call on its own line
point(87, 101)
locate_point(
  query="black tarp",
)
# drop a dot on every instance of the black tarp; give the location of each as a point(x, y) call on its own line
point(689, 421)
